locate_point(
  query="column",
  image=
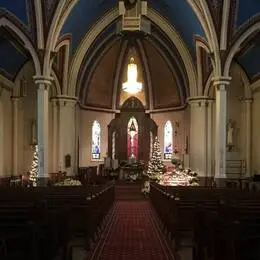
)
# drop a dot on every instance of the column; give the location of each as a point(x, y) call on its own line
point(43, 84)
point(15, 130)
point(54, 148)
point(1, 135)
point(221, 120)
point(67, 133)
point(248, 135)
point(198, 136)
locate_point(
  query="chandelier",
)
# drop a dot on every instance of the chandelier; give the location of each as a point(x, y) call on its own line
point(131, 85)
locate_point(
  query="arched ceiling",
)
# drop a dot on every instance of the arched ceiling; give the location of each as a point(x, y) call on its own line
point(16, 7)
point(86, 13)
point(246, 9)
point(161, 71)
point(83, 16)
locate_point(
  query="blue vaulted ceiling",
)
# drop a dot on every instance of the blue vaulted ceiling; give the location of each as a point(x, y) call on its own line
point(250, 60)
point(247, 9)
point(83, 16)
point(87, 12)
point(17, 7)
point(10, 66)
point(182, 17)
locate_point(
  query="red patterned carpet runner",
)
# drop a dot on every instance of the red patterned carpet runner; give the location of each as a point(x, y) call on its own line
point(132, 233)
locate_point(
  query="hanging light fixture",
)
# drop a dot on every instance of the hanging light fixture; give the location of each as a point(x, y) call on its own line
point(131, 85)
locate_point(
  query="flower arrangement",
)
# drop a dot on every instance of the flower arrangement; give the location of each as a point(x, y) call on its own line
point(179, 176)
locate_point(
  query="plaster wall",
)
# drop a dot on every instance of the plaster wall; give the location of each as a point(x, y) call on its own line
point(86, 119)
point(179, 133)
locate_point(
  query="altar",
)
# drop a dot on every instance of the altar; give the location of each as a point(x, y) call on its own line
point(131, 172)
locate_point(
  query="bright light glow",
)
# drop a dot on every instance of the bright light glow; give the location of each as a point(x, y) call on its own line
point(131, 85)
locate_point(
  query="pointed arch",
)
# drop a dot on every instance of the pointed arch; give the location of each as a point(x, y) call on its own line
point(168, 140)
point(109, 18)
point(236, 46)
point(96, 140)
point(26, 41)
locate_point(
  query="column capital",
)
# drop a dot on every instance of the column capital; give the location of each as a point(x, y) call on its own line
point(247, 100)
point(63, 100)
point(39, 79)
point(221, 80)
point(15, 98)
point(199, 101)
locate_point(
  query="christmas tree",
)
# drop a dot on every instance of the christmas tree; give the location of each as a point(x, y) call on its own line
point(34, 167)
point(155, 165)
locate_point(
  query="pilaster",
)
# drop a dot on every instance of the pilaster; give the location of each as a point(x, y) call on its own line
point(248, 135)
point(1, 135)
point(221, 84)
point(55, 142)
point(199, 135)
point(67, 141)
point(15, 131)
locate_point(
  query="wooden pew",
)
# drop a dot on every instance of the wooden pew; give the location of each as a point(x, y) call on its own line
point(49, 219)
point(219, 221)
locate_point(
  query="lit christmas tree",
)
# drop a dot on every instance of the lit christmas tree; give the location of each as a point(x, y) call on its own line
point(155, 165)
point(34, 167)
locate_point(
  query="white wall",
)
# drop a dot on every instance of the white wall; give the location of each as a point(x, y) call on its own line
point(85, 127)
point(174, 116)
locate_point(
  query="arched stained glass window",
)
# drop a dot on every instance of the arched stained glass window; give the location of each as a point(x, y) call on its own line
point(168, 142)
point(96, 140)
point(132, 139)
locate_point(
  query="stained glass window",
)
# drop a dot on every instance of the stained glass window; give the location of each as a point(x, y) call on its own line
point(132, 139)
point(168, 146)
point(96, 131)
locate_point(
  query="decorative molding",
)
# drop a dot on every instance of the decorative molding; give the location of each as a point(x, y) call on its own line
point(42, 80)
point(120, 62)
point(222, 80)
point(39, 23)
point(224, 27)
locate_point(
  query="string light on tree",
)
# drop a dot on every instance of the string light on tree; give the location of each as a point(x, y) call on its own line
point(34, 172)
point(155, 166)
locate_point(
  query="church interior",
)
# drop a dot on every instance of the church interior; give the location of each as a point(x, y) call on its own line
point(129, 129)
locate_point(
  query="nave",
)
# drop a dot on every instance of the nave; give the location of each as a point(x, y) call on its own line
point(114, 221)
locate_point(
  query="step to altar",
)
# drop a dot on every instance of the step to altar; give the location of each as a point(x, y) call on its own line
point(131, 191)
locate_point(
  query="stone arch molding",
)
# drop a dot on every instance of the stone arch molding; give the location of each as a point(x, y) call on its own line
point(27, 43)
point(108, 19)
point(236, 46)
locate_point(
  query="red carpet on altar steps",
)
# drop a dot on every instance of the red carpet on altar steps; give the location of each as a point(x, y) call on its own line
point(132, 233)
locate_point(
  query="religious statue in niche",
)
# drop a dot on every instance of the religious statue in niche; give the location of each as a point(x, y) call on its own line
point(230, 135)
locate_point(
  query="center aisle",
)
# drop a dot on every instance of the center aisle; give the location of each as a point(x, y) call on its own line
point(132, 233)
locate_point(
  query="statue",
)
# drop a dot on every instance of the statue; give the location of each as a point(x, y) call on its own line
point(230, 132)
